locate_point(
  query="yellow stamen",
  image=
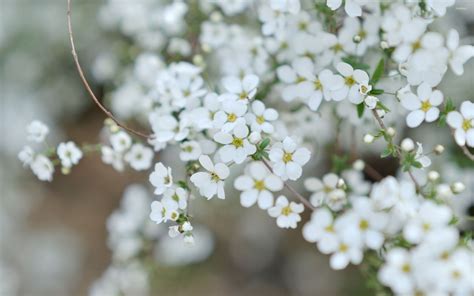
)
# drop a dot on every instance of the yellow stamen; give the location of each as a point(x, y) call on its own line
point(238, 142)
point(343, 248)
point(259, 185)
point(215, 177)
point(286, 211)
point(287, 157)
point(260, 119)
point(350, 81)
point(425, 106)
point(231, 117)
point(467, 124)
point(318, 85)
point(406, 268)
point(363, 224)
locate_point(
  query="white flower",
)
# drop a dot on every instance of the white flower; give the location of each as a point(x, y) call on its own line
point(347, 248)
point(257, 185)
point(236, 145)
point(120, 141)
point(26, 155)
point(244, 89)
point(292, 6)
point(110, 156)
point(69, 154)
point(352, 7)
point(352, 80)
point(463, 124)
point(458, 55)
point(211, 182)
point(458, 270)
point(288, 159)
point(326, 192)
point(423, 106)
point(167, 128)
point(320, 229)
point(42, 167)
point(161, 178)
point(37, 131)
point(439, 6)
point(430, 218)
point(190, 150)
point(178, 195)
point(366, 222)
point(164, 210)
point(230, 115)
point(259, 119)
point(139, 157)
point(398, 272)
point(287, 214)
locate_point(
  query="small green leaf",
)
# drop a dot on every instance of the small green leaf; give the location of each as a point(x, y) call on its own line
point(264, 143)
point(360, 109)
point(376, 92)
point(378, 72)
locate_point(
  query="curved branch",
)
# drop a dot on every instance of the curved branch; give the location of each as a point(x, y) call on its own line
point(86, 83)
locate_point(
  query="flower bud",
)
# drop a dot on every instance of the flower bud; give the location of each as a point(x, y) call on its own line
point(364, 89)
point(433, 176)
point(358, 165)
point(341, 184)
point(357, 39)
point(65, 170)
point(439, 149)
point(198, 60)
point(407, 145)
point(368, 139)
point(216, 16)
point(458, 187)
point(371, 102)
point(384, 44)
point(391, 131)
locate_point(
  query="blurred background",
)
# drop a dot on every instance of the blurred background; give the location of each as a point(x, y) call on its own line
point(53, 236)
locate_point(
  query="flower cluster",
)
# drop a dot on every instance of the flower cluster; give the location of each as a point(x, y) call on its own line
point(265, 94)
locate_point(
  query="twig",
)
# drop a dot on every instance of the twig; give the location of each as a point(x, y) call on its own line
point(291, 189)
point(467, 152)
point(86, 83)
point(399, 153)
point(372, 172)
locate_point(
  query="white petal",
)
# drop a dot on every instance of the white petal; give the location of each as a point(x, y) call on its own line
point(222, 170)
point(313, 184)
point(334, 4)
point(293, 170)
point(243, 183)
point(339, 261)
point(415, 118)
point(206, 162)
point(232, 84)
point(424, 91)
point(345, 69)
point(432, 114)
point(286, 74)
point(454, 119)
point(361, 76)
point(410, 102)
point(460, 137)
point(467, 109)
point(353, 9)
point(301, 156)
point(248, 198)
point(265, 200)
point(273, 183)
point(436, 98)
point(250, 82)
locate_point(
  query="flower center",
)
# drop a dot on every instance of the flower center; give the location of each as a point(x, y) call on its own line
point(243, 95)
point(362, 34)
point(363, 89)
point(260, 119)
point(425, 106)
point(167, 180)
point(456, 274)
point(363, 224)
point(349, 80)
point(466, 124)
point(416, 45)
point(303, 26)
point(406, 268)
point(259, 185)
point(329, 228)
point(300, 79)
point(238, 142)
point(426, 226)
point(287, 157)
point(215, 177)
point(231, 117)
point(337, 48)
point(286, 211)
point(343, 248)
point(188, 149)
point(318, 85)
point(175, 197)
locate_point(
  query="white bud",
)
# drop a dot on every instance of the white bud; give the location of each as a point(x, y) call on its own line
point(198, 60)
point(206, 48)
point(358, 165)
point(433, 176)
point(255, 137)
point(458, 187)
point(444, 191)
point(407, 145)
point(357, 39)
point(65, 170)
point(371, 102)
point(341, 183)
point(384, 44)
point(391, 131)
point(187, 226)
point(368, 139)
point(438, 149)
point(114, 129)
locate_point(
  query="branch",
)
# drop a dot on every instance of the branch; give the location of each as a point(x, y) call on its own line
point(467, 152)
point(399, 153)
point(291, 189)
point(86, 83)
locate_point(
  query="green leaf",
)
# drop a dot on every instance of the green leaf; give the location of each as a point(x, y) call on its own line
point(264, 143)
point(360, 109)
point(351, 60)
point(386, 152)
point(378, 72)
point(376, 92)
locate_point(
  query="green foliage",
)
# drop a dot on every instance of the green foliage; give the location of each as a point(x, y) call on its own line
point(375, 92)
point(360, 109)
point(261, 152)
point(379, 70)
point(340, 163)
point(409, 161)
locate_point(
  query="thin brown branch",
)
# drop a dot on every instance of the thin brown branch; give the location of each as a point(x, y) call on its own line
point(86, 83)
point(468, 153)
point(372, 172)
point(291, 189)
